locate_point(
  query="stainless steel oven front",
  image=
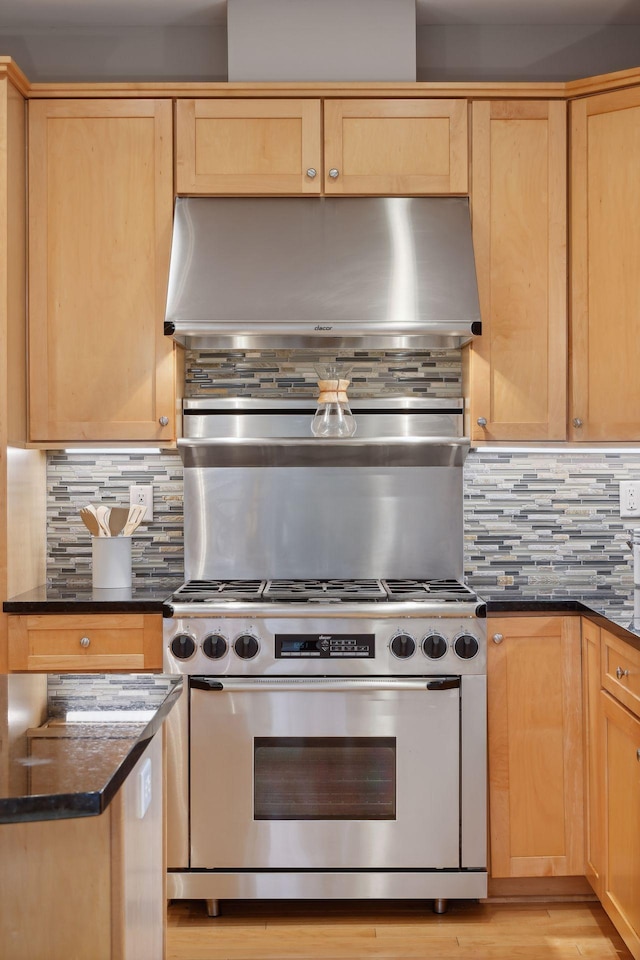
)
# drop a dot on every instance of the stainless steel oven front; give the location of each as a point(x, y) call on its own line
point(325, 773)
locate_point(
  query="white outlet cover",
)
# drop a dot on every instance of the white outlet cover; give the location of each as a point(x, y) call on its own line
point(144, 788)
point(142, 494)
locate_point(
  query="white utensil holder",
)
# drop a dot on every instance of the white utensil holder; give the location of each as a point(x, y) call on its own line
point(111, 562)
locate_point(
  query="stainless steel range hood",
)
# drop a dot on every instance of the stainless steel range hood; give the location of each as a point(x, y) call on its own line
point(371, 273)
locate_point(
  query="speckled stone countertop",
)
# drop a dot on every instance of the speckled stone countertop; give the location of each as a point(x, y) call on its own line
point(612, 609)
point(79, 596)
point(68, 743)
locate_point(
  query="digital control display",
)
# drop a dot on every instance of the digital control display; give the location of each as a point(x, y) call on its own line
point(327, 645)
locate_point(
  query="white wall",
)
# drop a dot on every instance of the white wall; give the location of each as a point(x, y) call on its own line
point(444, 52)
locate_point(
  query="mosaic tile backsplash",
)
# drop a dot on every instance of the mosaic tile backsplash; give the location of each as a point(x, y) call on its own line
point(75, 479)
point(282, 373)
point(530, 518)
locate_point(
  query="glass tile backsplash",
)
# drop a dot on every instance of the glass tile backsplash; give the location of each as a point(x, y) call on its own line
point(529, 517)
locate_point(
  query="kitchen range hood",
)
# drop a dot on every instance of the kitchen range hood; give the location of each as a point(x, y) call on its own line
point(334, 272)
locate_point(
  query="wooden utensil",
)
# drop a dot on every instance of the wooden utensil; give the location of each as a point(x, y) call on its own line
point(117, 520)
point(102, 513)
point(135, 519)
point(90, 521)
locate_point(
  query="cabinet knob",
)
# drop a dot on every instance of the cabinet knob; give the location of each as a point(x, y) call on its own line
point(620, 673)
point(163, 421)
point(481, 421)
point(84, 641)
point(638, 754)
point(311, 173)
point(498, 637)
point(577, 422)
point(333, 173)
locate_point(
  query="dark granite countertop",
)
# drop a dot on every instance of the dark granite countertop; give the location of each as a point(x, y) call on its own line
point(68, 742)
point(145, 595)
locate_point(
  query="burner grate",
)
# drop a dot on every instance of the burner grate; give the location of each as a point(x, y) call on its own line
point(300, 590)
point(427, 590)
point(203, 590)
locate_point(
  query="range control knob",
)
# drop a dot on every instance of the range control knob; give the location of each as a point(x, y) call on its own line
point(466, 646)
point(434, 646)
point(246, 646)
point(403, 646)
point(183, 646)
point(214, 646)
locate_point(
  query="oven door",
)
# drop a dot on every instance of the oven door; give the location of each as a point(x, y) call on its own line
point(325, 773)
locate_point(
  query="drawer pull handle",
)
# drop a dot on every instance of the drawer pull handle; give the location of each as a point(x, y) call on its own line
point(620, 673)
point(84, 641)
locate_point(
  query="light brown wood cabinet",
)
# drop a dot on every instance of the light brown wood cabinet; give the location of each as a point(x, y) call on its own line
point(611, 672)
point(593, 759)
point(621, 751)
point(100, 217)
point(605, 252)
point(517, 369)
point(55, 643)
point(535, 747)
point(388, 147)
point(90, 886)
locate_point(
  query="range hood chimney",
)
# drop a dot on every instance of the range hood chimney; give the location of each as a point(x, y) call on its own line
point(335, 272)
point(321, 40)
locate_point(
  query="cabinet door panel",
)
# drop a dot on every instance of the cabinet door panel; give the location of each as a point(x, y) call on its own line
point(535, 747)
point(100, 212)
point(248, 146)
point(593, 759)
point(621, 896)
point(395, 146)
point(605, 233)
point(518, 367)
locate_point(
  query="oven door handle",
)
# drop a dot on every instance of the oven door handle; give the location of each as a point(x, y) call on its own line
point(321, 684)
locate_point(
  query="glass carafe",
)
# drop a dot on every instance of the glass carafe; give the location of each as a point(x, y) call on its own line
point(333, 417)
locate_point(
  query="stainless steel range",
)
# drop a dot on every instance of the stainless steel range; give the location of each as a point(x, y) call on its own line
point(331, 743)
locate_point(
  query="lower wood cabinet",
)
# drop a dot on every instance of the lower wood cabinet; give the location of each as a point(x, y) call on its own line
point(81, 643)
point(87, 887)
point(535, 747)
point(593, 759)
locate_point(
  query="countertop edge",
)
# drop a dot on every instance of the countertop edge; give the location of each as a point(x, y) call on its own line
point(66, 806)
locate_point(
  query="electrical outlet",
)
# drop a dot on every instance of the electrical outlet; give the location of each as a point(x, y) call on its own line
point(630, 498)
point(141, 494)
point(144, 788)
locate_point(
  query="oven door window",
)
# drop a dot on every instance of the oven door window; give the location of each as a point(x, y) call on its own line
point(324, 778)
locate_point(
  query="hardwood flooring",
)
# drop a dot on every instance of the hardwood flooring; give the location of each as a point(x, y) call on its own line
point(276, 930)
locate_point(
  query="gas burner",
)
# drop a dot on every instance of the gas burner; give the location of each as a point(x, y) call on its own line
point(331, 590)
point(427, 590)
point(201, 591)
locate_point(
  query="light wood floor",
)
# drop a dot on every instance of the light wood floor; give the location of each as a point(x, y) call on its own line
point(354, 931)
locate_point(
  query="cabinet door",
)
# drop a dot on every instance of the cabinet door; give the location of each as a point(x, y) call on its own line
point(395, 146)
point(100, 213)
point(518, 367)
point(605, 242)
point(621, 897)
point(535, 747)
point(248, 146)
point(593, 759)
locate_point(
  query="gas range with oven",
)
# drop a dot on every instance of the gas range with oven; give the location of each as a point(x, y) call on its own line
point(331, 740)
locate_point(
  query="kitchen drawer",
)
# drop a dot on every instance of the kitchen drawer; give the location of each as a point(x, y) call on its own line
point(620, 666)
point(80, 643)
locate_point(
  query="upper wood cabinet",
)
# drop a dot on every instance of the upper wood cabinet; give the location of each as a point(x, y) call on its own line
point(535, 747)
point(248, 146)
point(100, 216)
point(276, 147)
point(517, 369)
point(395, 146)
point(605, 295)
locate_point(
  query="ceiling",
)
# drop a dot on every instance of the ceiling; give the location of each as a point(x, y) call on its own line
point(112, 13)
